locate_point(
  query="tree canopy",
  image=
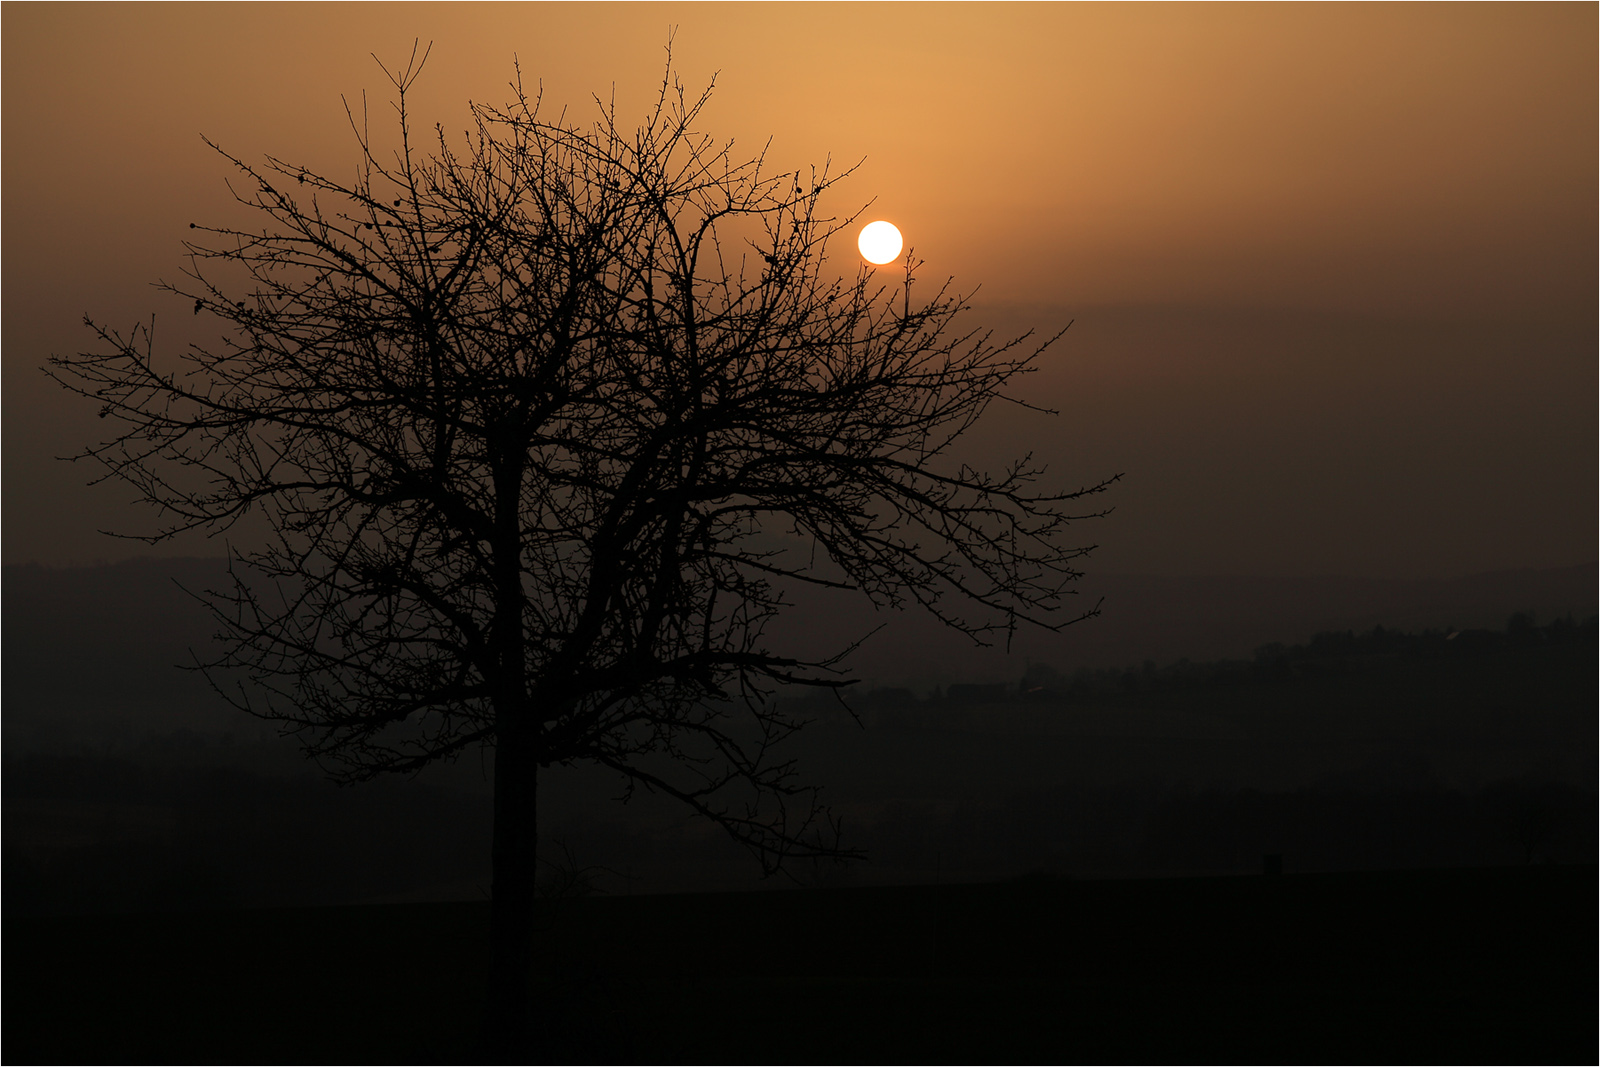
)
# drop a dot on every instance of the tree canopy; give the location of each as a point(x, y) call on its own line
point(545, 424)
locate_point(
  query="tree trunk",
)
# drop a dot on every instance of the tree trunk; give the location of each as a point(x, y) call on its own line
point(510, 1030)
point(510, 1020)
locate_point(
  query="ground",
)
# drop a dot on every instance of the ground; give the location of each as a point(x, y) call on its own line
point(1453, 966)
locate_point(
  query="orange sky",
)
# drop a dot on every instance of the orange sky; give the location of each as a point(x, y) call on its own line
point(1333, 267)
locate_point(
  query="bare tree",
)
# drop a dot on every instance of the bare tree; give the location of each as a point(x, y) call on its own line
point(544, 426)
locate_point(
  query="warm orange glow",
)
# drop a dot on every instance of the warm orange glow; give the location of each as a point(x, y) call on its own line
point(1204, 188)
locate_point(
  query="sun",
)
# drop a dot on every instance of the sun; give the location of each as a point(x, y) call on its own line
point(879, 242)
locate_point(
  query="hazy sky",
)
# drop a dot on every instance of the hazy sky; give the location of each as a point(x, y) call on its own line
point(1333, 268)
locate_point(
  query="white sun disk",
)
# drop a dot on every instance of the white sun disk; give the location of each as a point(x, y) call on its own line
point(880, 242)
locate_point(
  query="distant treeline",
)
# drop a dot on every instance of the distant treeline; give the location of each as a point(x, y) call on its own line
point(1373, 750)
point(1330, 653)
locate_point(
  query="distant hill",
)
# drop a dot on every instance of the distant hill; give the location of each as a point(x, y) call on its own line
point(129, 784)
point(97, 649)
point(1165, 619)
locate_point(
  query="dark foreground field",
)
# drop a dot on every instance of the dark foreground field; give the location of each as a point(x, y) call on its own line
point(1471, 966)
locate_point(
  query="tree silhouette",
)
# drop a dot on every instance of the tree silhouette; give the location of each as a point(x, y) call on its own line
point(544, 427)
